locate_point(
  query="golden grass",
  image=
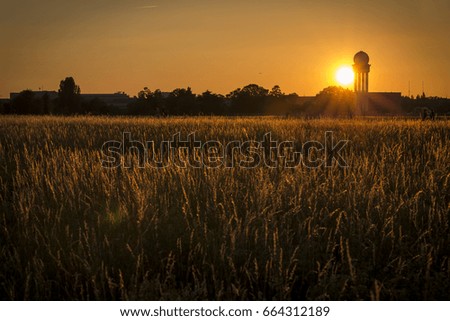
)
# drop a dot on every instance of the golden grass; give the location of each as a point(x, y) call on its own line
point(71, 229)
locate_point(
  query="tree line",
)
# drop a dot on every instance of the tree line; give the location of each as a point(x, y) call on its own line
point(249, 100)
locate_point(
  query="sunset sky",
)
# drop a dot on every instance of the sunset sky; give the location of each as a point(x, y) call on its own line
point(125, 45)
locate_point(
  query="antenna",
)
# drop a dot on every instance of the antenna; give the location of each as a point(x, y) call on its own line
point(409, 88)
point(423, 88)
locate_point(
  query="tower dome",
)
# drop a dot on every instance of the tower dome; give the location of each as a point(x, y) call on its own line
point(361, 58)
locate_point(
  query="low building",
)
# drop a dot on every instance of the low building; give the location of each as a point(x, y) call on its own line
point(384, 103)
point(38, 94)
point(117, 100)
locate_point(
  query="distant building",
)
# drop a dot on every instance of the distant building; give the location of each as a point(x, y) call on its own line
point(384, 104)
point(361, 69)
point(367, 103)
point(38, 94)
point(303, 100)
point(117, 100)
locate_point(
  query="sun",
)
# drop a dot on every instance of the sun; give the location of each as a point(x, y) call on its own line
point(345, 75)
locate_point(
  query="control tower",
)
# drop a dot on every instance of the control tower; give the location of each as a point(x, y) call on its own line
point(361, 69)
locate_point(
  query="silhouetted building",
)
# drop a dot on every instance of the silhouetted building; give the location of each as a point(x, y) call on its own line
point(117, 100)
point(384, 104)
point(367, 103)
point(38, 94)
point(304, 100)
point(361, 69)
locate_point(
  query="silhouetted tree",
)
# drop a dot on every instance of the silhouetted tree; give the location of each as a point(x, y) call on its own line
point(415, 106)
point(26, 103)
point(181, 102)
point(95, 106)
point(277, 103)
point(211, 104)
point(156, 103)
point(276, 92)
point(69, 100)
point(147, 103)
point(248, 100)
point(332, 101)
point(4, 108)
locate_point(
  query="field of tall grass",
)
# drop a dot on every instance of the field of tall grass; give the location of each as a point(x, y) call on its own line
point(73, 230)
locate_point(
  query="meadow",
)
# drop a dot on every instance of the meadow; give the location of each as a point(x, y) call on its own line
point(71, 229)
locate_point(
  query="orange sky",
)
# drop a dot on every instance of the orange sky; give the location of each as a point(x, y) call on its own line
point(118, 45)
